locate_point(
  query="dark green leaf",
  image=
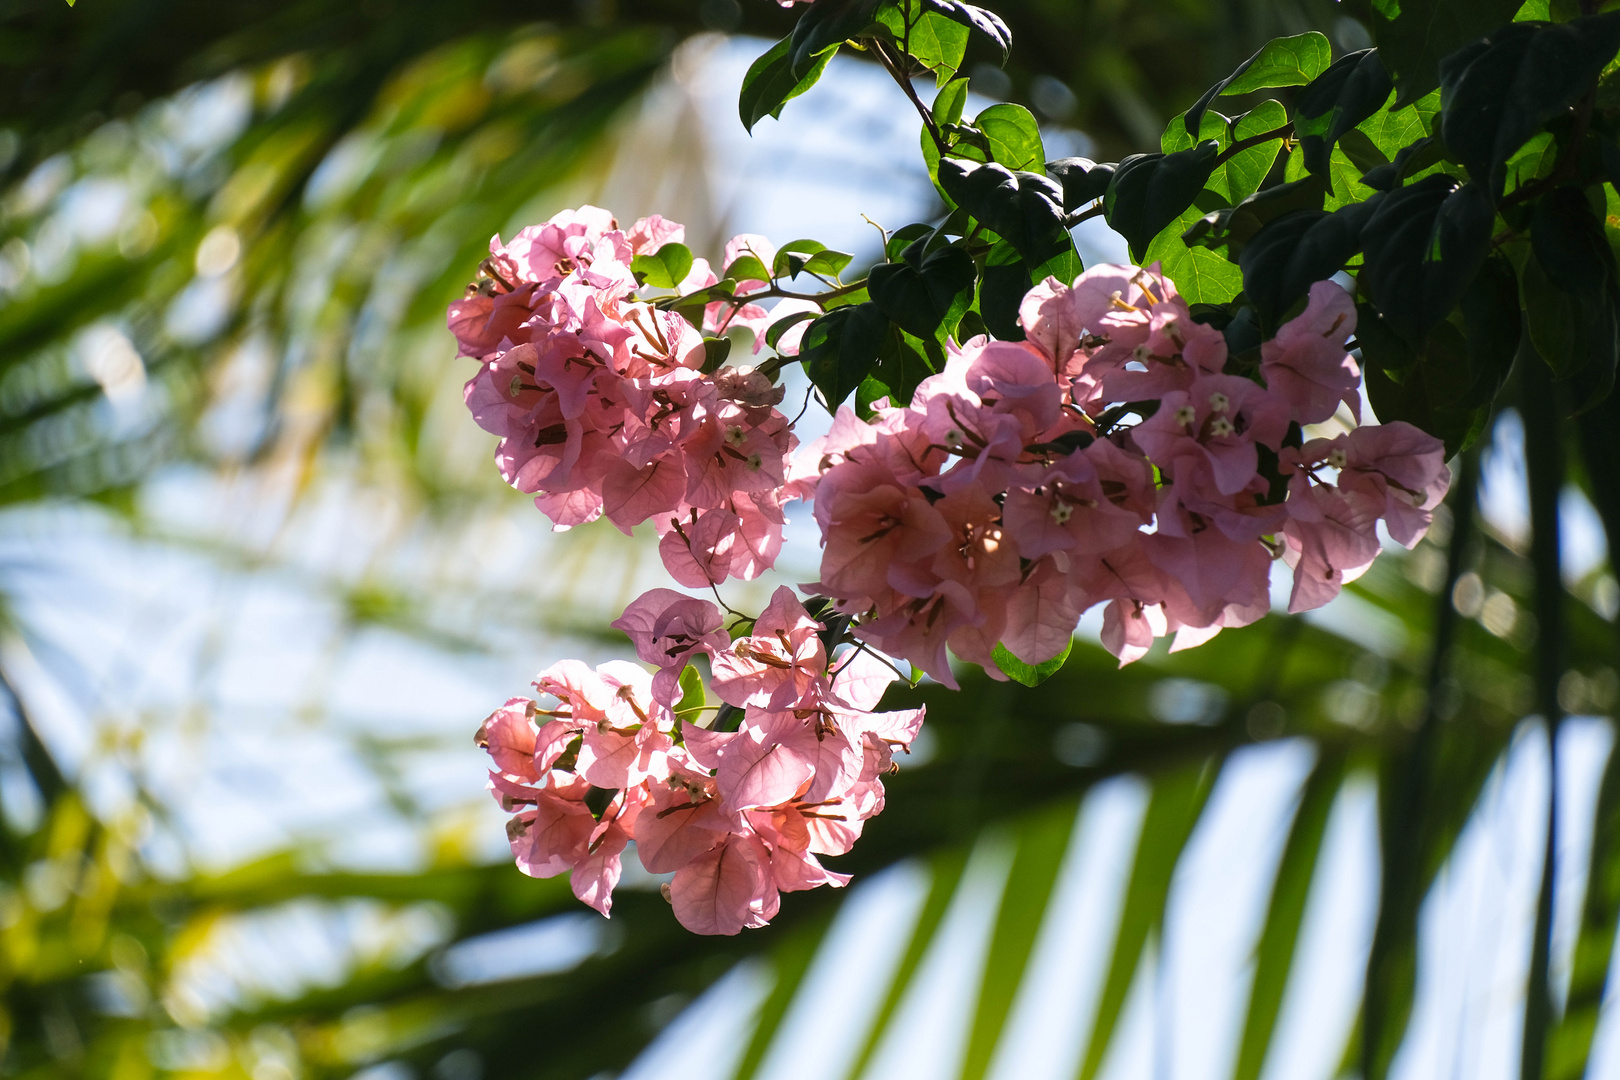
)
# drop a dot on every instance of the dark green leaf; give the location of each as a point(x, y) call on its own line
point(770, 83)
point(1572, 292)
point(1295, 250)
point(1343, 96)
point(1423, 244)
point(1289, 61)
point(715, 351)
point(1414, 35)
point(1024, 208)
point(1496, 93)
point(840, 348)
point(1446, 385)
point(1234, 227)
point(665, 268)
point(825, 25)
point(1083, 180)
point(1029, 674)
point(1149, 191)
point(774, 332)
point(921, 297)
point(1407, 162)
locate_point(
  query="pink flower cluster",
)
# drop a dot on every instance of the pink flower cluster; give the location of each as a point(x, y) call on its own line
point(602, 405)
point(737, 816)
point(1118, 456)
point(1012, 494)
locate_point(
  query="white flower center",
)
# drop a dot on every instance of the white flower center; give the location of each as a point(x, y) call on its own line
point(1219, 402)
point(1221, 427)
point(1186, 415)
point(1061, 511)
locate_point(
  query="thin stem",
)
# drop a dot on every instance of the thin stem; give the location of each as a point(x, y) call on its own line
point(1083, 215)
point(1252, 141)
point(892, 66)
point(815, 298)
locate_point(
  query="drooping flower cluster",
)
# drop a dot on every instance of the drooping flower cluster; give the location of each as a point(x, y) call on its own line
point(1117, 456)
point(1113, 457)
point(602, 403)
point(737, 816)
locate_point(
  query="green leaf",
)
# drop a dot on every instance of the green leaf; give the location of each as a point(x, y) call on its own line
point(946, 869)
point(693, 698)
point(1015, 137)
point(665, 268)
point(1201, 276)
point(1498, 92)
point(1027, 674)
point(1240, 176)
point(747, 267)
point(770, 83)
point(1392, 128)
point(985, 22)
point(1172, 811)
point(1234, 227)
point(1042, 841)
point(1414, 35)
point(934, 41)
point(1211, 125)
point(793, 256)
point(948, 103)
point(1285, 913)
point(827, 262)
point(904, 360)
point(715, 351)
point(840, 348)
point(1347, 94)
point(1288, 61)
point(1150, 191)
